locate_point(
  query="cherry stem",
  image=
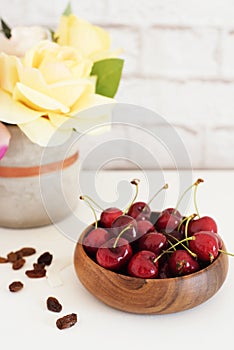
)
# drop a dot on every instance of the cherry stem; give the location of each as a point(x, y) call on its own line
point(120, 234)
point(165, 187)
point(195, 195)
point(171, 244)
point(192, 238)
point(184, 246)
point(181, 223)
point(83, 198)
point(191, 217)
point(224, 252)
point(134, 182)
point(93, 201)
point(186, 191)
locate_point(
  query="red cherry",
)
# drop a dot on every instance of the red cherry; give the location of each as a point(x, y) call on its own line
point(181, 263)
point(95, 239)
point(168, 220)
point(154, 242)
point(220, 242)
point(144, 226)
point(143, 265)
point(205, 245)
point(140, 211)
point(122, 222)
point(109, 215)
point(204, 223)
point(114, 258)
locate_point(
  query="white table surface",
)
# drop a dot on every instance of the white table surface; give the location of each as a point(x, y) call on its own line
point(26, 323)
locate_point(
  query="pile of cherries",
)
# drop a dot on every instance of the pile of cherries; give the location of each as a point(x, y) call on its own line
point(141, 243)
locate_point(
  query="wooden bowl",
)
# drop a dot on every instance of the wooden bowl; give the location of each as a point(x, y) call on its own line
point(149, 296)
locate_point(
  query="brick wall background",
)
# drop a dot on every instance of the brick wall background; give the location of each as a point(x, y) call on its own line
point(179, 61)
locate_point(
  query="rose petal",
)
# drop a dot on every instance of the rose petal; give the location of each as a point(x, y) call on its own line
point(66, 92)
point(14, 112)
point(90, 100)
point(87, 38)
point(43, 133)
point(4, 140)
point(9, 72)
point(92, 111)
point(37, 100)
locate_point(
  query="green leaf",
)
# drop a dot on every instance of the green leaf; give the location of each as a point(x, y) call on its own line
point(6, 29)
point(68, 10)
point(108, 74)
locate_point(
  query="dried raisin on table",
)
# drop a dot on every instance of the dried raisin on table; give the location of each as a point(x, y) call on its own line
point(15, 286)
point(66, 321)
point(3, 260)
point(53, 304)
point(18, 264)
point(45, 258)
point(26, 251)
point(36, 273)
point(12, 257)
point(38, 266)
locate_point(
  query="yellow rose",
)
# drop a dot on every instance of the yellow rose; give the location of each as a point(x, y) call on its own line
point(91, 41)
point(47, 88)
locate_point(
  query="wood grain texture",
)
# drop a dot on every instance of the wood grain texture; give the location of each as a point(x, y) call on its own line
point(149, 296)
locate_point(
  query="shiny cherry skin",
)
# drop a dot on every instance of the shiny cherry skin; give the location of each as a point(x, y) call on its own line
point(205, 245)
point(142, 265)
point(95, 239)
point(168, 220)
point(182, 263)
point(154, 242)
point(121, 222)
point(144, 226)
point(140, 211)
point(109, 215)
point(114, 258)
point(220, 242)
point(204, 223)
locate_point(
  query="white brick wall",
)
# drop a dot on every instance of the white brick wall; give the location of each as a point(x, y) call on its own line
point(179, 62)
point(170, 52)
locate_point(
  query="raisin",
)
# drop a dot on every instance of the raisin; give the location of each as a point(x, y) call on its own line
point(3, 260)
point(53, 304)
point(15, 286)
point(26, 251)
point(36, 273)
point(45, 258)
point(38, 266)
point(18, 264)
point(66, 321)
point(12, 257)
